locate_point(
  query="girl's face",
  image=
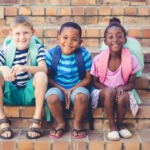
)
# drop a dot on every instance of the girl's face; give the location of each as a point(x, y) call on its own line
point(69, 40)
point(115, 39)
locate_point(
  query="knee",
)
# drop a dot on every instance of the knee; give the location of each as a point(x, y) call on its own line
point(1, 80)
point(110, 93)
point(40, 77)
point(123, 99)
point(81, 98)
point(52, 99)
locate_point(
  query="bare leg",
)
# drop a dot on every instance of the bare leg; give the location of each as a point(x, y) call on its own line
point(40, 85)
point(107, 100)
point(80, 107)
point(2, 115)
point(56, 108)
point(122, 106)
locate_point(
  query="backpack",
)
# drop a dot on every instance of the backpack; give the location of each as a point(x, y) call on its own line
point(79, 61)
point(11, 50)
point(135, 48)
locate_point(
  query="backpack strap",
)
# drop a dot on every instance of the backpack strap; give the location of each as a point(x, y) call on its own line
point(55, 60)
point(79, 61)
point(10, 53)
point(126, 64)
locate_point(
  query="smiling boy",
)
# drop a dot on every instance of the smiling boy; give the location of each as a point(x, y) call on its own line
point(24, 82)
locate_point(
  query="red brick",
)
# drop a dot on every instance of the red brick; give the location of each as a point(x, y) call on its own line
point(51, 11)
point(97, 124)
point(87, 2)
point(143, 93)
point(10, 2)
point(24, 144)
point(130, 11)
point(134, 33)
point(111, 144)
point(93, 32)
point(143, 124)
point(114, 2)
point(146, 33)
point(93, 42)
point(24, 11)
point(4, 32)
point(90, 11)
point(52, 20)
point(133, 144)
point(80, 20)
point(50, 32)
point(97, 113)
point(8, 20)
point(143, 11)
point(117, 11)
point(91, 20)
point(144, 112)
point(27, 112)
point(65, 11)
point(11, 111)
point(42, 142)
point(132, 20)
point(34, 2)
point(9, 144)
point(96, 141)
point(78, 11)
point(39, 32)
point(64, 19)
point(38, 20)
point(58, 2)
point(104, 21)
point(50, 42)
point(2, 23)
point(60, 145)
point(104, 11)
point(37, 11)
point(1, 12)
point(9, 11)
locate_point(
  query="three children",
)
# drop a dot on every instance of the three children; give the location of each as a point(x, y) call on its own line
point(24, 79)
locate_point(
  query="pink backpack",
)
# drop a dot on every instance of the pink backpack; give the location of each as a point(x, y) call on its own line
point(126, 64)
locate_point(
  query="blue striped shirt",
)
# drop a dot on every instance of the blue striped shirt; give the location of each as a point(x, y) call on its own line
point(67, 74)
point(21, 59)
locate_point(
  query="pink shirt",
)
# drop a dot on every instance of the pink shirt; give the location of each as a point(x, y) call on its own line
point(114, 79)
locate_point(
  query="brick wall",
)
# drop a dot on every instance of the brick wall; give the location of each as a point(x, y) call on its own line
point(92, 15)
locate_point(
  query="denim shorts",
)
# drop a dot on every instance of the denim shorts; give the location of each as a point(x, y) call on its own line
point(61, 96)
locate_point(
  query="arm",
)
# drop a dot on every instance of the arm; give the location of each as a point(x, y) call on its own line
point(130, 85)
point(31, 69)
point(97, 83)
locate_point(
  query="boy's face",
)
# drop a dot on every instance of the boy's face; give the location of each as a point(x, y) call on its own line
point(115, 39)
point(69, 40)
point(22, 35)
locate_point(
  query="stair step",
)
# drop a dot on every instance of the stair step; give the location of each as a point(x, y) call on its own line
point(95, 140)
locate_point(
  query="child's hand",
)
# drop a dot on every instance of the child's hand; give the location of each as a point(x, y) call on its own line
point(119, 92)
point(8, 76)
point(67, 98)
point(17, 69)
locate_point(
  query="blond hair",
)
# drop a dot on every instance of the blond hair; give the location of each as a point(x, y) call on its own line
point(21, 20)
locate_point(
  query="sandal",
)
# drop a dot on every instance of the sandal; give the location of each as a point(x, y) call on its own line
point(5, 120)
point(56, 137)
point(34, 129)
point(78, 136)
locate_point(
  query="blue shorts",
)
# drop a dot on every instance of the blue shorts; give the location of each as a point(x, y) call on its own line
point(61, 96)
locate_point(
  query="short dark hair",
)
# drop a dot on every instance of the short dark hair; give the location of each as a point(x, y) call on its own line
point(115, 22)
point(72, 25)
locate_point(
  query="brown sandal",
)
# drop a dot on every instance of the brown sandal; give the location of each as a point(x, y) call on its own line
point(33, 129)
point(5, 120)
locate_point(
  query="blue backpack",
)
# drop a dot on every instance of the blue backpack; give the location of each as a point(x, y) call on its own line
point(79, 61)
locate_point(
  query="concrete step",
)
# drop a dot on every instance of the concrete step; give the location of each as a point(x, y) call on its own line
point(95, 140)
